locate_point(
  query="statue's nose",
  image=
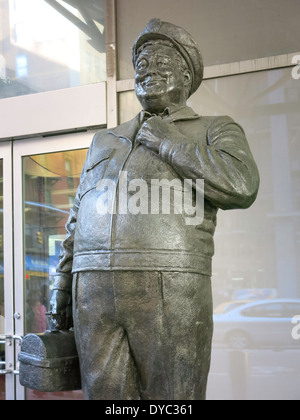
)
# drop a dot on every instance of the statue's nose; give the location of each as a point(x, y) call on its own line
point(152, 68)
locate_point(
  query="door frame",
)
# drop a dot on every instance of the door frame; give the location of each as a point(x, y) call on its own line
point(6, 156)
point(22, 149)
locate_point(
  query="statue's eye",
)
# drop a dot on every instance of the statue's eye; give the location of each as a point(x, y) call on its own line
point(142, 64)
point(162, 63)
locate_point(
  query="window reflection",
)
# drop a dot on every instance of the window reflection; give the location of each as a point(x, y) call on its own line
point(256, 251)
point(50, 44)
point(256, 261)
point(50, 182)
point(1, 251)
point(270, 310)
point(2, 313)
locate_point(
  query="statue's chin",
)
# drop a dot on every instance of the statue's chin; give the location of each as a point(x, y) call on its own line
point(153, 102)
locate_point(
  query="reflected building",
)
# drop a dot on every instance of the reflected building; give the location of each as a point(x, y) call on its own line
point(41, 50)
point(256, 249)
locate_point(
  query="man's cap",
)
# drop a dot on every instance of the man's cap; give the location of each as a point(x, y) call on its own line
point(182, 41)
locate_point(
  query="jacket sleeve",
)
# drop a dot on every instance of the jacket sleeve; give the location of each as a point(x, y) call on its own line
point(64, 278)
point(223, 160)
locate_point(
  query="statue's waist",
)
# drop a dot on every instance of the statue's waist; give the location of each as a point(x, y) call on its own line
point(142, 260)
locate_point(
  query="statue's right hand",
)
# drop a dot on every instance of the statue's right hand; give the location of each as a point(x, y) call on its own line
point(61, 310)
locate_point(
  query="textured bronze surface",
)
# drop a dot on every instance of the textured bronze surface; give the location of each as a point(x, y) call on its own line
point(140, 270)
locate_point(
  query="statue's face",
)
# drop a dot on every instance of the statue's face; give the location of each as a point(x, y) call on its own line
point(159, 79)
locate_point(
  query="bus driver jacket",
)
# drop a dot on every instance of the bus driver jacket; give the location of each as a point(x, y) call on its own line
point(213, 149)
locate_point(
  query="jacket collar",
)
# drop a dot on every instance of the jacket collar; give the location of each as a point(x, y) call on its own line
point(183, 114)
point(130, 129)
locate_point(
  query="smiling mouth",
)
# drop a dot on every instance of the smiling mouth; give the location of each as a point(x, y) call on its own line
point(152, 82)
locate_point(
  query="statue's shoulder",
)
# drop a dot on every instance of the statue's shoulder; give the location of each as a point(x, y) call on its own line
point(123, 130)
point(216, 121)
point(188, 115)
point(205, 124)
point(218, 124)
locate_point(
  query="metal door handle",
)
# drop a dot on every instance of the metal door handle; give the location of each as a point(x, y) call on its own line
point(3, 340)
point(4, 337)
point(5, 372)
point(8, 371)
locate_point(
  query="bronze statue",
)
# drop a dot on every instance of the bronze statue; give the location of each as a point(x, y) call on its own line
point(135, 269)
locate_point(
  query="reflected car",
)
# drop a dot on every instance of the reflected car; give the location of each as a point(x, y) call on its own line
point(229, 306)
point(258, 324)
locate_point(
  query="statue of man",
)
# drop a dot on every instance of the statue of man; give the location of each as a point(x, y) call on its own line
point(138, 277)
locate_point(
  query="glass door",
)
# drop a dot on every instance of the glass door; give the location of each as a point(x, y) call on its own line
point(46, 177)
point(7, 342)
point(2, 307)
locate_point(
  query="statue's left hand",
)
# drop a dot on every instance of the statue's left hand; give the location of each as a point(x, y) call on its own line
point(61, 310)
point(153, 132)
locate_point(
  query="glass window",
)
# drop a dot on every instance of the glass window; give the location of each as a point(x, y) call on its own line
point(50, 44)
point(291, 310)
point(257, 250)
point(272, 310)
point(2, 314)
point(228, 307)
point(50, 183)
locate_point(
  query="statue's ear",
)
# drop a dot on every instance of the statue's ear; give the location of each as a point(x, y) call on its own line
point(188, 80)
